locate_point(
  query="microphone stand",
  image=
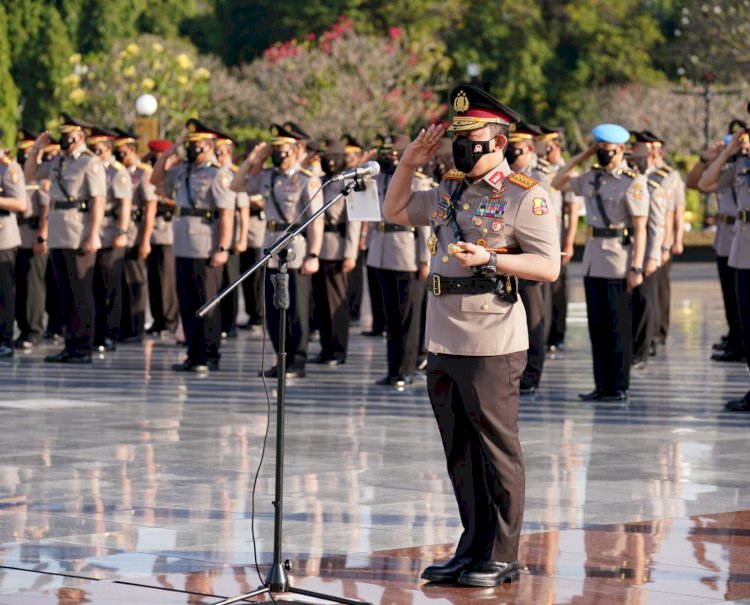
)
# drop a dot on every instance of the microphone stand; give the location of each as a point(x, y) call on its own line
point(277, 579)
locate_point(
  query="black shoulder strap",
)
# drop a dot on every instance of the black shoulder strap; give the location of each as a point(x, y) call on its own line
point(598, 198)
point(451, 211)
point(187, 185)
point(60, 184)
point(274, 176)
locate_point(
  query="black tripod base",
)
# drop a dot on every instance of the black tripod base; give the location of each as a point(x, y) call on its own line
point(291, 590)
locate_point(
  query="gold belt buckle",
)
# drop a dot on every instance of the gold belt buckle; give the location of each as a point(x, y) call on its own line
point(272, 226)
point(743, 215)
point(381, 227)
point(436, 290)
point(591, 231)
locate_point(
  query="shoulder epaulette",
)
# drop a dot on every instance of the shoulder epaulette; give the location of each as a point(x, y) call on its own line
point(653, 184)
point(88, 152)
point(629, 173)
point(667, 168)
point(522, 180)
point(117, 166)
point(214, 164)
point(306, 172)
point(454, 175)
point(5, 159)
point(234, 167)
point(420, 175)
point(542, 168)
point(663, 171)
point(144, 166)
point(543, 162)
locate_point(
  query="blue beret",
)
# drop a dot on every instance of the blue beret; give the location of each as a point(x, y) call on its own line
point(610, 133)
point(726, 139)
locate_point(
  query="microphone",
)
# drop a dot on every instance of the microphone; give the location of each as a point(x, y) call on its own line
point(369, 169)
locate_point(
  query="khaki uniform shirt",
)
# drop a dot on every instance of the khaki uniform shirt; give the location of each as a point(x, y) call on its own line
point(36, 198)
point(727, 202)
point(287, 196)
point(119, 187)
point(143, 192)
point(505, 210)
point(12, 184)
point(739, 255)
point(163, 234)
point(241, 200)
point(674, 187)
point(338, 245)
point(205, 187)
point(544, 172)
point(657, 223)
point(625, 195)
point(78, 177)
point(397, 250)
point(256, 230)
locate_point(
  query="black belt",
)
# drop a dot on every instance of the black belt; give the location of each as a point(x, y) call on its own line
point(277, 226)
point(609, 232)
point(384, 227)
point(111, 213)
point(504, 286)
point(339, 228)
point(743, 215)
point(31, 221)
point(726, 219)
point(205, 213)
point(259, 213)
point(4, 212)
point(166, 212)
point(80, 205)
point(136, 215)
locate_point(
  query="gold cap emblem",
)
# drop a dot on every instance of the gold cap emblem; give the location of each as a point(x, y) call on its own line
point(461, 102)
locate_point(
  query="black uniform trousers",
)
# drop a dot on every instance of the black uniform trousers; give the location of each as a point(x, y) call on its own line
point(728, 280)
point(646, 310)
point(377, 303)
point(298, 317)
point(357, 286)
point(53, 303)
point(475, 401)
point(331, 294)
point(665, 300)
point(610, 319)
point(402, 293)
point(197, 283)
point(162, 287)
point(108, 269)
point(559, 304)
point(230, 304)
point(74, 272)
point(31, 291)
point(7, 295)
point(252, 287)
point(134, 296)
point(742, 285)
point(532, 295)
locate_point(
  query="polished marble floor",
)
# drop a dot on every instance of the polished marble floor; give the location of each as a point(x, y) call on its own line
point(125, 483)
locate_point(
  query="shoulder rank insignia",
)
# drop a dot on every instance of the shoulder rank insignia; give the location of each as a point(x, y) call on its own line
point(523, 181)
point(653, 184)
point(542, 168)
point(306, 172)
point(666, 168)
point(234, 167)
point(454, 175)
point(629, 173)
point(144, 166)
point(543, 162)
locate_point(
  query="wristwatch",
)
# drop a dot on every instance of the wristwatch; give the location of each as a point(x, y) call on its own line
point(222, 249)
point(637, 270)
point(121, 232)
point(491, 266)
point(40, 240)
point(312, 255)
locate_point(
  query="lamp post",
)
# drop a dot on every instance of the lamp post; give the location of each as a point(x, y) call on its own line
point(146, 121)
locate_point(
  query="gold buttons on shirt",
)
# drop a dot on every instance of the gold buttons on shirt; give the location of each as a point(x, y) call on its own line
point(467, 206)
point(485, 306)
point(445, 259)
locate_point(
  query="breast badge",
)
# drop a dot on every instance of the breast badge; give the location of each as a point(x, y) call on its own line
point(432, 244)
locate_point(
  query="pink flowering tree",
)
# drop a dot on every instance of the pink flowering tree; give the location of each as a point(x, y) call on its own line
point(338, 82)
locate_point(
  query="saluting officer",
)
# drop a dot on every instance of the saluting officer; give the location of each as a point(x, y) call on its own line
point(78, 192)
point(203, 229)
point(225, 146)
point(162, 283)
point(31, 258)
point(476, 332)
point(110, 258)
point(338, 257)
point(646, 308)
point(133, 324)
point(12, 201)
point(549, 148)
point(399, 255)
point(535, 295)
point(617, 210)
point(290, 194)
point(739, 255)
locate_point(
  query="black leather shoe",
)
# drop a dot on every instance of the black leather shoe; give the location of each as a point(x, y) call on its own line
point(372, 333)
point(738, 405)
point(82, 359)
point(327, 360)
point(6, 351)
point(729, 356)
point(191, 366)
point(721, 345)
point(394, 381)
point(107, 345)
point(449, 571)
point(595, 395)
point(291, 372)
point(489, 573)
point(614, 396)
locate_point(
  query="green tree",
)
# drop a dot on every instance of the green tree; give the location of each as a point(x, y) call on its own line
point(106, 21)
point(8, 92)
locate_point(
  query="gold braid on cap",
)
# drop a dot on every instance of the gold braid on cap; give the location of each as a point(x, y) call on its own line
point(550, 136)
point(460, 123)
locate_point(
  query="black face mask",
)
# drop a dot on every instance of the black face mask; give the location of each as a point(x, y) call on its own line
point(65, 143)
point(119, 155)
point(21, 157)
point(466, 153)
point(278, 156)
point(333, 164)
point(193, 152)
point(513, 153)
point(604, 156)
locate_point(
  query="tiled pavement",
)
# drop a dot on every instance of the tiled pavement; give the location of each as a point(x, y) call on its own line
point(124, 482)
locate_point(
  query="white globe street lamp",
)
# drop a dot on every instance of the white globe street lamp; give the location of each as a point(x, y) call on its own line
point(146, 105)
